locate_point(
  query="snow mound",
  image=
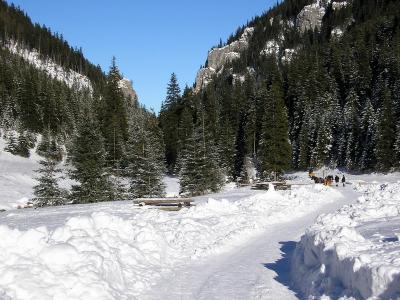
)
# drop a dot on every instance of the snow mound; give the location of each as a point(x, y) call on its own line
point(354, 252)
point(103, 255)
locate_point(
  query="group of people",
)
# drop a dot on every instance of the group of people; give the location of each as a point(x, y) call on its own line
point(328, 180)
point(337, 179)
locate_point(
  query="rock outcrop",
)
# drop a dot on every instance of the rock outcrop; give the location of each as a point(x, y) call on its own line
point(127, 89)
point(218, 57)
point(310, 17)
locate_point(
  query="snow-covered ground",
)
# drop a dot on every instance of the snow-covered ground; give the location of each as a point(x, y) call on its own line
point(354, 252)
point(235, 244)
point(17, 178)
point(118, 251)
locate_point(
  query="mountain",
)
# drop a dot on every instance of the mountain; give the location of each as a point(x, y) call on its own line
point(334, 64)
point(44, 81)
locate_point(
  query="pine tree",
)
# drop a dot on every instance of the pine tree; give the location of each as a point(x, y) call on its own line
point(48, 192)
point(275, 151)
point(386, 134)
point(88, 158)
point(352, 127)
point(173, 92)
point(368, 127)
point(145, 157)
point(200, 172)
point(169, 122)
point(113, 117)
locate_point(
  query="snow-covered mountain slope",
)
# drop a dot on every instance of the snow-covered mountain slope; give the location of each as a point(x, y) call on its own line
point(354, 252)
point(17, 178)
point(52, 69)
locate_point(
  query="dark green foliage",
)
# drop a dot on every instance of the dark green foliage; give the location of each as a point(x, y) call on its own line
point(275, 150)
point(48, 192)
point(88, 159)
point(113, 117)
point(145, 149)
point(199, 171)
point(386, 135)
point(169, 122)
point(335, 91)
point(16, 25)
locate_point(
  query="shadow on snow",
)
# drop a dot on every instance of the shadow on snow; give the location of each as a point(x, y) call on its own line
point(282, 266)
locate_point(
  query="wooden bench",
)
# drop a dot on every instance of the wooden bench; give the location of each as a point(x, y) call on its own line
point(169, 204)
point(279, 186)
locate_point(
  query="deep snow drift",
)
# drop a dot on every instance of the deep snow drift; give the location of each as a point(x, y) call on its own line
point(354, 252)
point(116, 251)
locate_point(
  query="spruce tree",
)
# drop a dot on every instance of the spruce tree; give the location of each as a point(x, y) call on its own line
point(169, 121)
point(352, 128)
point(145, 158)
point(113, 117)
point(275, 149)
point(368, 127)
point(199, 172)
point(48, 192)
point(386, 134)
point(88, 159)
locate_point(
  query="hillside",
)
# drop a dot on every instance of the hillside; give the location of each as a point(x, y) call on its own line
point(325, 74)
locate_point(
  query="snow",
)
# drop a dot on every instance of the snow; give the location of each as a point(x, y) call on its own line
point(17, 178)
point(233, 243)
point(118, 251)
point(271, 48)
point(52, 69)
point(354, 252)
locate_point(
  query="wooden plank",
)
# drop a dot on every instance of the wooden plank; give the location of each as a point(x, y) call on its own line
point(163, 202)
point(176, 199)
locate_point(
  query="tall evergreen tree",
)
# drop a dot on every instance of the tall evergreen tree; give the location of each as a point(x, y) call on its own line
point(386, 134)
point(113, 117)
point(200, 172)
point(88, 158)
point(275, 151)
point(145, 168)
point(47, 191)
point(169, 122)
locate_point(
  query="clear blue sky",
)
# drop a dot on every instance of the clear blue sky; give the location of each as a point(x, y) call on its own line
point(150, 38)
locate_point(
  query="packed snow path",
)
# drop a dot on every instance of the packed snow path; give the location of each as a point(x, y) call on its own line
point(257, 270)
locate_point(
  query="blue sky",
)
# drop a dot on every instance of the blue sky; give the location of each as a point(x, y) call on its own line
point(150, 38)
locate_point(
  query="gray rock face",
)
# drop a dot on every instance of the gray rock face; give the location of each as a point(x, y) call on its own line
point(127, 89)
point(311, 15)
point(218, 57)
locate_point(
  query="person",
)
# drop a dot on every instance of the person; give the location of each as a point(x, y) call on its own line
point(337, 180)
point(344, 180)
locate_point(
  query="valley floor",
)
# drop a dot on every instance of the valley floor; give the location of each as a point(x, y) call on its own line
point(237, 244)
point(259, 269)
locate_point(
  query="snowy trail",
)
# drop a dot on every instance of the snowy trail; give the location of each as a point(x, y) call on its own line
point(257, 270)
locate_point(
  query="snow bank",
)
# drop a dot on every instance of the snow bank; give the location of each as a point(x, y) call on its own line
point(108, 256)
point(354, 252)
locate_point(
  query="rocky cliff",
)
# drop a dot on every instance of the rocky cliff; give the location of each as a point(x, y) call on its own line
point(218, 57)
point(310, 17)
point(127, 89)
